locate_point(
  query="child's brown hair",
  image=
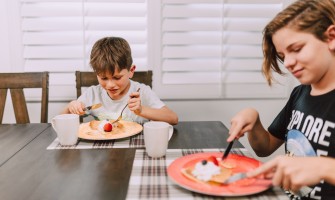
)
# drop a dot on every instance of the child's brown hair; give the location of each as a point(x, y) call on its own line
point(310, 16)
point(110, 54)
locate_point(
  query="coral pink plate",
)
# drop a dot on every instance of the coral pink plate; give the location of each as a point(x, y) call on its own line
point(239, 188)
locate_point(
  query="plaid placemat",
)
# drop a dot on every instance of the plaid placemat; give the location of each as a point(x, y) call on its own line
point(136, 141)
point(149, 179)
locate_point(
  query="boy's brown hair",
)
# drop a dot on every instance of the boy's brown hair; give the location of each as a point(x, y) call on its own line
point(110, 54)
point(310, 16)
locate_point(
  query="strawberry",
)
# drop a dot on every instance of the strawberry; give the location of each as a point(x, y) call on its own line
point(213, 160)
point(108, 127)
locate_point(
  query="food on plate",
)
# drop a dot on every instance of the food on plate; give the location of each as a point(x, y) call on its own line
point(213, 171)
point(213, 159)
point(105, 126)
point(107, 130)
point(227, 164)
point(207, 171)
point(180, 172)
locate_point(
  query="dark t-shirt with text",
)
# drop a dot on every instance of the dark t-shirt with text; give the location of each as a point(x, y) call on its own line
point(307, 124)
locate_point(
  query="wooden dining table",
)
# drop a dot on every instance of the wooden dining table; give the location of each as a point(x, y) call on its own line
point(30, 169)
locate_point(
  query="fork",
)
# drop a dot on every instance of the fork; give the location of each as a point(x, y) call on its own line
point(120, 117)
point(92, 107)
point(303, 191)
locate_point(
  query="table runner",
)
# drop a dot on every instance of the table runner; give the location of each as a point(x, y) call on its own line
point(149, 179)
point(136, 141)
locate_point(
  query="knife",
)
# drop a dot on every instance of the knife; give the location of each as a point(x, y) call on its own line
point(303, 191)
point(236, 177)
point(225, 155)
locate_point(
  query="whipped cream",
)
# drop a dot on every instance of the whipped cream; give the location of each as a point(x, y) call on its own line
point(205, 171)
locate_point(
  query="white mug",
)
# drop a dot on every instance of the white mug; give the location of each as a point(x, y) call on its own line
point(156, 137)
point(66, 127)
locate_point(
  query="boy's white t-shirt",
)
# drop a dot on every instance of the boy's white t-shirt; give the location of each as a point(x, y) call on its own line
point(111, 109)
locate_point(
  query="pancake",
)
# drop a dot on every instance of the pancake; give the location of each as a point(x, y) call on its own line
point(218, 179)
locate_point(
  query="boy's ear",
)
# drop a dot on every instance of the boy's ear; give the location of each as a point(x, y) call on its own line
point(132, 71)
point(331, 37)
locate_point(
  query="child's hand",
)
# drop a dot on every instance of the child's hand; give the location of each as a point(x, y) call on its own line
point(242, 122)
point(76, 107)
point(134, 103)
point(292, 173)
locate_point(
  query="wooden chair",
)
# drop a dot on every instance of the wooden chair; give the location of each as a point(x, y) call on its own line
point(16, 82)
point(86, 79)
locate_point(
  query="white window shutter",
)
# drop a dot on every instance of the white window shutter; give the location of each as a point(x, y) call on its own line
point(212, 49)
point(58, 36)
point(201, 49)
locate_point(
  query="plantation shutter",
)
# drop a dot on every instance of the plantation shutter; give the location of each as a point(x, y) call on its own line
point(211, 49)
point(58, 36)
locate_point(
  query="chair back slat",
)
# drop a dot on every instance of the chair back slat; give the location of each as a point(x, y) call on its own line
point(21, 80)
point(87, 79)
point(143, 77)
point(16, 82)
point(45, 98)
point(20, 106)
point(3, 96)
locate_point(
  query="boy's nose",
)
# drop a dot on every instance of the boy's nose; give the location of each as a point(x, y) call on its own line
point(110, 84)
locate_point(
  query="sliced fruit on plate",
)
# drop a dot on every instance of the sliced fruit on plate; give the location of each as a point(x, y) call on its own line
point(228, 164)
point(217, 161)
point(108, 127)
point(214, 160)
point(105, 126)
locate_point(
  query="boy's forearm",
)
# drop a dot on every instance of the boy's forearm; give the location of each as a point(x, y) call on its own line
point(162, 114)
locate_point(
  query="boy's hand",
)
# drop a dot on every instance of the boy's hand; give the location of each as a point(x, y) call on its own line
point(134, 103)
point(76, 107)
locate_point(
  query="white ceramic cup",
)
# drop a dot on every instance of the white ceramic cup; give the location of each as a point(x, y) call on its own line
point(66, 127)
point(156, 137)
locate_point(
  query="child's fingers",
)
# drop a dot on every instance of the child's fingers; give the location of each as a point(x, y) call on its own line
point(134, 104)
point(134, 100)
point(234, 131)
point(267, 169)
point(134, 95)
point(77, 108)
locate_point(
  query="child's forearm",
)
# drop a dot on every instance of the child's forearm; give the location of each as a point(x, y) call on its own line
point(328, 170)
point(65, 110)
point(162, 114)
point(261, 141)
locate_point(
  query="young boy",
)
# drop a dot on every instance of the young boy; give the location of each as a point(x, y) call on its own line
point(112, 62)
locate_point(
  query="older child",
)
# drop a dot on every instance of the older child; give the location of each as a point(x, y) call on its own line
point(111, 60)
point(302, 37)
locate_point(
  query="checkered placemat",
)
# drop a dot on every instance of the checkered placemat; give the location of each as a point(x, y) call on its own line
point(136, 141)
point(149, 179)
